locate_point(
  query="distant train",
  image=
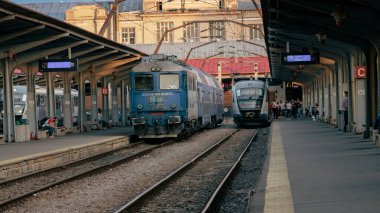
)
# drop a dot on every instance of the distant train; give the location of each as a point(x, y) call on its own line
point(250, 103)
point(169, 98)
point(20, 103)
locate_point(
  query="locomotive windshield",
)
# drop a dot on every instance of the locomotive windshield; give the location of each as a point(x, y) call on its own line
point(144, 82)
point(249, 93)
point(249, 98)
point(169, 81)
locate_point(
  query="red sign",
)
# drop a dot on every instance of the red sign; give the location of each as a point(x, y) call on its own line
point(105, 91)
point(360, 72)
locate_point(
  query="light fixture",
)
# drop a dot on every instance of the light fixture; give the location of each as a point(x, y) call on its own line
point(300, 68)
point(339, 15)
point(321, 36)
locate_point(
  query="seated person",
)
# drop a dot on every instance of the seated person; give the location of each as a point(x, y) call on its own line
point(49, 125)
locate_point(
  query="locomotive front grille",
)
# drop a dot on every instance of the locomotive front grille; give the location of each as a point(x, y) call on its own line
point(138, 121)
point(251, 114)
point(174, 119)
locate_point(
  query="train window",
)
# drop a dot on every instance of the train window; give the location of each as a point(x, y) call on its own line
point(250, 92)
point(169, 81)
point(144, 82)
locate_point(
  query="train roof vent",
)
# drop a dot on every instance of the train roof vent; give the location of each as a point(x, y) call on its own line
point(145, 59)
point(181, 63)
point(157, 57)
point(172, 58)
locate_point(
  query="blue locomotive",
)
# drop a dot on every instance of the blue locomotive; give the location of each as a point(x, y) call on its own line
point(169, 98)
point(250, 103)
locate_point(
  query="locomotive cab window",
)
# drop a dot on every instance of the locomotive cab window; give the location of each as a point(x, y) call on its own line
point(169, 81)
point(249, 93)
point(144, 82)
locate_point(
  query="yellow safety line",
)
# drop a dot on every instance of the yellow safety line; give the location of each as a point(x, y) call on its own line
point(278, 196)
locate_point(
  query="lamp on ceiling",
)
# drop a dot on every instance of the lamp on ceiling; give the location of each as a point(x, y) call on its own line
point(321, 36)
point(339, 15)
point(300, 68)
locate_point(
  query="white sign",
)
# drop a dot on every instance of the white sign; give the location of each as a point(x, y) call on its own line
point(361, 92)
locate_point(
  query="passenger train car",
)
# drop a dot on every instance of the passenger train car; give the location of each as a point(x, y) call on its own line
point(169, 98)
point(250, 103)
point(20, 103)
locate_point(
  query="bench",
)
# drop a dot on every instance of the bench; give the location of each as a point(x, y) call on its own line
point(87, 127)
point(97, 126)
point(42, 134)
point(2, 139)
point(60, 131)
point(74, 129)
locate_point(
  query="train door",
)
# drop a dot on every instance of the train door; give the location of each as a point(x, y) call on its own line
point(191, 97)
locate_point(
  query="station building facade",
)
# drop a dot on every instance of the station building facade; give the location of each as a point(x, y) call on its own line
point(222, 38)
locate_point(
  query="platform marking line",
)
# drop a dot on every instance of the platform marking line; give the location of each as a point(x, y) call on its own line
point(278, 196)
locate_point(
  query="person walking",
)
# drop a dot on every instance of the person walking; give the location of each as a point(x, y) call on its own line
point(345, 101)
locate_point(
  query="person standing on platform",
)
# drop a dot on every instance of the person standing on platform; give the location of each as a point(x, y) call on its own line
point(345, 110)
point(275, 109)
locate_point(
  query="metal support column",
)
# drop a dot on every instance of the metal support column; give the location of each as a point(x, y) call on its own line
point(94, 100)
point(31, 99)
point(115, 114)
point(337, 97)
point(82, 106)
point(67, 109)
point(123, 103)
point(105, 110)
point(50, 94)
point(9, 127)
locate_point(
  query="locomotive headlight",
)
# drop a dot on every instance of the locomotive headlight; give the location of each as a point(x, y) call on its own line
point(173, 106)
point(138, 121)
point(139, 106)
point(155, 69)
point(174, 119)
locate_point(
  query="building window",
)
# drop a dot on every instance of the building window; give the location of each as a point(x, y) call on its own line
point(159, 5)
point(191, 32)
point(161, 28)
point(254, 33)
point(128, 35)
point(217, 30)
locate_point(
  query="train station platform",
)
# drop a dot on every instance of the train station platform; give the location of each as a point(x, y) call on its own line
point(313, 167)
point(17, 159)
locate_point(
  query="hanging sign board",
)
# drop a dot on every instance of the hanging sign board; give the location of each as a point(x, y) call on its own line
point(105, 91)
point(299, 58)
point(360, 72)
point(58, 65)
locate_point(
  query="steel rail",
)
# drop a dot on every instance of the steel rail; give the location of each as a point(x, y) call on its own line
point(132, 205)
point(82, 174)
point(210, 205)
point(21, 177)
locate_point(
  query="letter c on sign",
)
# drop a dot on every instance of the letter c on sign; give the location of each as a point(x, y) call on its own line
point(361, 72)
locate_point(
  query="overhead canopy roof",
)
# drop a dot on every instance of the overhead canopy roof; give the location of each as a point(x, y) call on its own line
point(299, 21)
point(28, 36)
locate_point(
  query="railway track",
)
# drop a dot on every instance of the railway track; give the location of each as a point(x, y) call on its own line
point(108, 190)
point(16, 189)
point(196, 178)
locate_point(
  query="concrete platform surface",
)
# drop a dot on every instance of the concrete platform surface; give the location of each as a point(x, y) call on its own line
point(327, 171)
point(17, 159)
